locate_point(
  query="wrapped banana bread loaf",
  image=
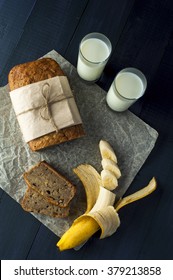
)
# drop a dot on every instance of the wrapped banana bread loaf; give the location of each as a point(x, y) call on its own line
point(43, 83)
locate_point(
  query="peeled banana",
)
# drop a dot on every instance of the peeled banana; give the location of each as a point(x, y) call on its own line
point(105, 198)
point(100, 213)
point(102, 216)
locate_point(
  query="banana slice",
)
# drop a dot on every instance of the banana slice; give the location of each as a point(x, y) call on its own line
point(110, 165)
point(107, 151)
point(109, 180)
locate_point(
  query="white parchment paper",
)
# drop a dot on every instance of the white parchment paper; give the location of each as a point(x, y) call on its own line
point(131, 138)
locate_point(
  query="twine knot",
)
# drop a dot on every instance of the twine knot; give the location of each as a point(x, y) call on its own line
point(45, 112)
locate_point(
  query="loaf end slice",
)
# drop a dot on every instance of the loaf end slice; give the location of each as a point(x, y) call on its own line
point(50, 184)
point(36, 203)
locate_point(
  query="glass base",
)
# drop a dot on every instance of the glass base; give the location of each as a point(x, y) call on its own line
point(89, 82)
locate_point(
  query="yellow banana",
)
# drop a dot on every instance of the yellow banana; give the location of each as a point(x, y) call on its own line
point(86, 225)
point(80, 231)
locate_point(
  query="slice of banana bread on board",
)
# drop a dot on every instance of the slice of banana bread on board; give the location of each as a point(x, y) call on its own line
point(36, 203)
point(48, 182)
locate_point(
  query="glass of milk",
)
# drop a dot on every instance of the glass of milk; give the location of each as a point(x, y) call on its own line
point(128, 86)
point(94, 52)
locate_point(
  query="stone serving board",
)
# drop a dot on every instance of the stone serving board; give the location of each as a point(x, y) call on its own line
point(131, 138)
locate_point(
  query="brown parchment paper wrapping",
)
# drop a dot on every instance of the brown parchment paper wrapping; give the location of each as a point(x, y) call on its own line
point(131, 138)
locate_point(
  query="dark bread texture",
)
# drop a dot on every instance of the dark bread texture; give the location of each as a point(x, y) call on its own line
point(35, 71)
point(54, 187)
point(36, 203)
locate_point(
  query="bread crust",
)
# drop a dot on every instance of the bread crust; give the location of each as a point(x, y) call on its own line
point(32, 72)
point(35, 71)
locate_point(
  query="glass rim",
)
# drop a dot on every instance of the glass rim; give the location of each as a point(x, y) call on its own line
point(101, 35)
point(139, 74)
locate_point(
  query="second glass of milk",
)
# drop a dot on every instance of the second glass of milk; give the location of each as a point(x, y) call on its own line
point(94, 52)
point(128, 86)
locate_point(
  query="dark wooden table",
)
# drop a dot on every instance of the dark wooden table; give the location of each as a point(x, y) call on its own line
point(141, 33)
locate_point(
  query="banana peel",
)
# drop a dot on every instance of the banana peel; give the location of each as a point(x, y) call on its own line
point(91, 181)
point(151, 187)
point(108, 220)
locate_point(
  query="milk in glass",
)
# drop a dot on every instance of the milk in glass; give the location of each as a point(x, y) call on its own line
point(125, 90)
point(93, 55)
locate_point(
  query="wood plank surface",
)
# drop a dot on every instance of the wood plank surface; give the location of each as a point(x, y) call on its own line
point(13, 17)
point(50, 26)
point(18, 229)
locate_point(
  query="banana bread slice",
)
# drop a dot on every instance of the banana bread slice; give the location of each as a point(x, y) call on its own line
point(36, 203)
point(50, 184)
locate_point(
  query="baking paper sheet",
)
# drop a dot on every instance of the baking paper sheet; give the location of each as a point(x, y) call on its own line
point(131, 138)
